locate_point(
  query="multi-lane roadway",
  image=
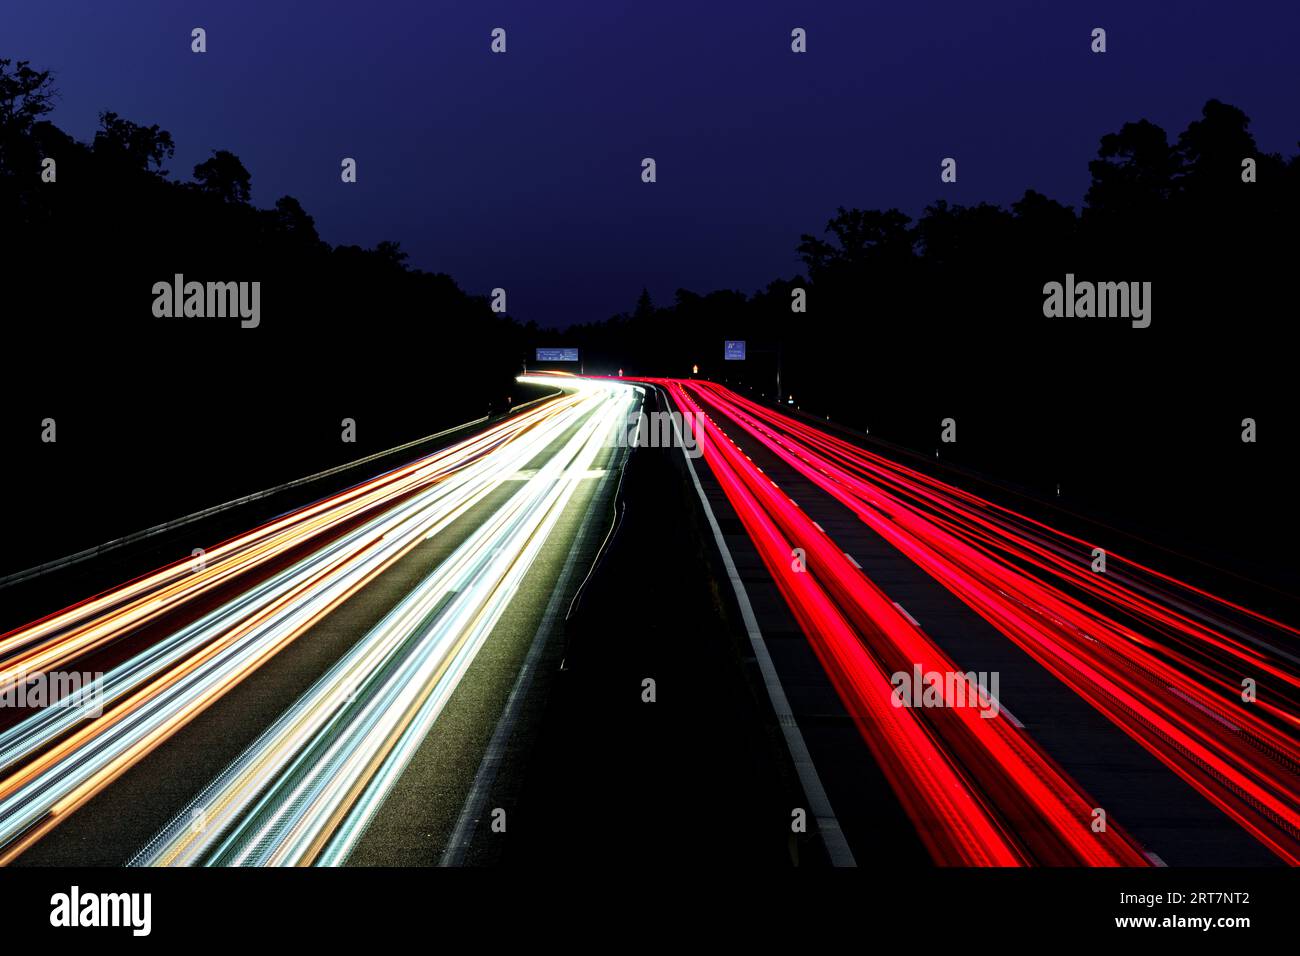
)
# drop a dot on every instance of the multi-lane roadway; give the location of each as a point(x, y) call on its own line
point(1178, 708)
point(463, 532)
point(941, 676)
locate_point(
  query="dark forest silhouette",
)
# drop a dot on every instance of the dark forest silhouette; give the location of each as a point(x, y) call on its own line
point(90, 246)
point(907, 321)
point(158, 417)
point(1174, 212)
point(912, 321)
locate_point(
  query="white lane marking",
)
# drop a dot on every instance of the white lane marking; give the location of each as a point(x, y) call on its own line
point(853, 561)
point(1203, 709)
point(819, 527)
point(1001, 707)
point(1006, 713)
point(837, 847)
point(902, 610)
point(1154, 859)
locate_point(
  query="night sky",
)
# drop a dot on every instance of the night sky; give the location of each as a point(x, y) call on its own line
point(523, 170)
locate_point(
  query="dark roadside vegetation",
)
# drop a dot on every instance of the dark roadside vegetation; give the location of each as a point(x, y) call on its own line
point(156, 418)
point(911, 321)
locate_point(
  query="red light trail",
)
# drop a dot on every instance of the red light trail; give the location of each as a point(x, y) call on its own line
point(1161, 659)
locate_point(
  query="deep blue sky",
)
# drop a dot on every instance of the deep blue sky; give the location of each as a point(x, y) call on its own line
point(523, 170)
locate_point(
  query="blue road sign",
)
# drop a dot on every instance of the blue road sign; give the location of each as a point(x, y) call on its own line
point(557, 355)
point(733, 351)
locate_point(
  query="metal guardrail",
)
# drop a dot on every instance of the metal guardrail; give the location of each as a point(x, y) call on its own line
point(137, 536)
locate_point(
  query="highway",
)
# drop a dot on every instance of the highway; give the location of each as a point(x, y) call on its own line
point(928, 674)
point(181, 639)
point(889, 571)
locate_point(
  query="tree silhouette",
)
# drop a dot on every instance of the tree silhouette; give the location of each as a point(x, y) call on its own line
point(391, 253)
point(137, 146)
point(1135, 173)
point(96, 240)
point(644, 307)
point(1211, 148)
point(25, 95)
point(224, 177)
point(862, 238)
point(1175, 213)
